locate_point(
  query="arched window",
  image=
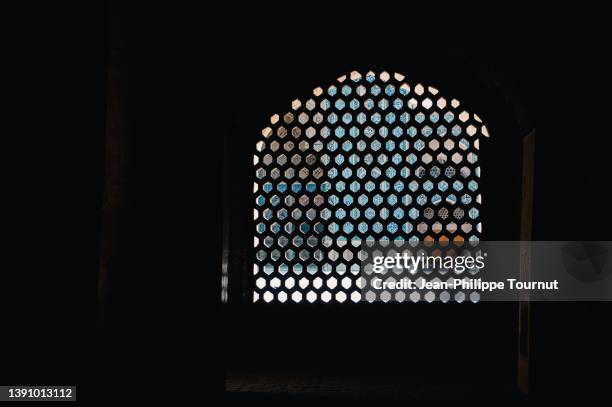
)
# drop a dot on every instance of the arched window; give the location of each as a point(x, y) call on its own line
point(370, 157)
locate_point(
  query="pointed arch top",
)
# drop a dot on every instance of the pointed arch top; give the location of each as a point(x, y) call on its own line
point(384, 85)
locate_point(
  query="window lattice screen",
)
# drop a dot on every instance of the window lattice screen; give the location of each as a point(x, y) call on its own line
point(367, 158)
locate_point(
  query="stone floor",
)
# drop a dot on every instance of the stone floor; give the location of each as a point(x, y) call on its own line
point(289, 388)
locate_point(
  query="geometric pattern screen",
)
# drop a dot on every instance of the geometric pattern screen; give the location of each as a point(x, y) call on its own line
point(369, 157)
